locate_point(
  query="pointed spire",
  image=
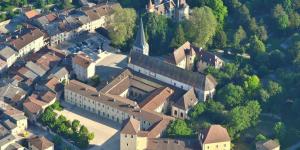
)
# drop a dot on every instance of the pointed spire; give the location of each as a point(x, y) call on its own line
point(140, 40)
point(150, 6)
point(140, 44)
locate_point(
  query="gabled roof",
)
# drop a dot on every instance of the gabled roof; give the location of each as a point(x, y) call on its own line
point(140, 40)
point(188, 100)
point(6, 52)
point(37, 69)
point(132, 127)
point(32, 13)
point(156, 98)
point(27, 38)
point(215, 134)
point(40, 143)
point(82, 60)
point(155, 65)
point(267, 145)
point(180, 53)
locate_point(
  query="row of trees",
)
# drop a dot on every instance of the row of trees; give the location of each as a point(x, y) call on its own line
point(72, 130)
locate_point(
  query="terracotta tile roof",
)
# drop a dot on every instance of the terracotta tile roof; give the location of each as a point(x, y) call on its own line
point(216, 134)
point(115, 101)
point(25, 39)
point(31, 14)
point(48, 97)
point(33, 105)
point(132, 127)
point(11, 111)
point(82, 60)
point(53, 84)
point(156, 98)
point(41, 143)
point(98, 11)
point(157, 129)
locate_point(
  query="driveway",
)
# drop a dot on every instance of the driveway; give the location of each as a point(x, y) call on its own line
point(106, 132)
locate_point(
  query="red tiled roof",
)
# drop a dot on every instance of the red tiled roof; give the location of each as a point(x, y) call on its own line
point(22, 41)
point(82, 60)
point(32, 13)
point(216, 134)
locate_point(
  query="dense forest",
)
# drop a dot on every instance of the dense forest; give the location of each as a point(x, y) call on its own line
point(258, 93)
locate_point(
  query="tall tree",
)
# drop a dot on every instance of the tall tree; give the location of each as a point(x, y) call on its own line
point(220, 40)
point(178, 38)
point(281, 17)
point(121, 26)
point(232, 95)
point(201, 26)
point(157, 29)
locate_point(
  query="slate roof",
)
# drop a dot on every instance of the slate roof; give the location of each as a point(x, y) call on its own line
point(140, 40)
point(215, 134)
point(187, 101)
point(194, 79)
point(6, 52)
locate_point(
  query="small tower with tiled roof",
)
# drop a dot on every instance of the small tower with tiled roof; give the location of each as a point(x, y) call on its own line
point(140, 44)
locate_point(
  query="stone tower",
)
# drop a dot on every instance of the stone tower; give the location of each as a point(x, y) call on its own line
point(140, 44)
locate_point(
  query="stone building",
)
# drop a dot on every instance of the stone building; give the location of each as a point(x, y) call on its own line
point(176, 9)
point(83, 67)
point(215, 137)
point(204, 85)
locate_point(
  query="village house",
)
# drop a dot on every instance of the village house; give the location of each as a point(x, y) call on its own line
point(8, 55)
point(190, 57)
point(206, 59)
point(40, 143)
point(182, 106)
point(83, 67)
point(184, 56)
point(13, 119)
point(28, 40)
point(215, 137)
